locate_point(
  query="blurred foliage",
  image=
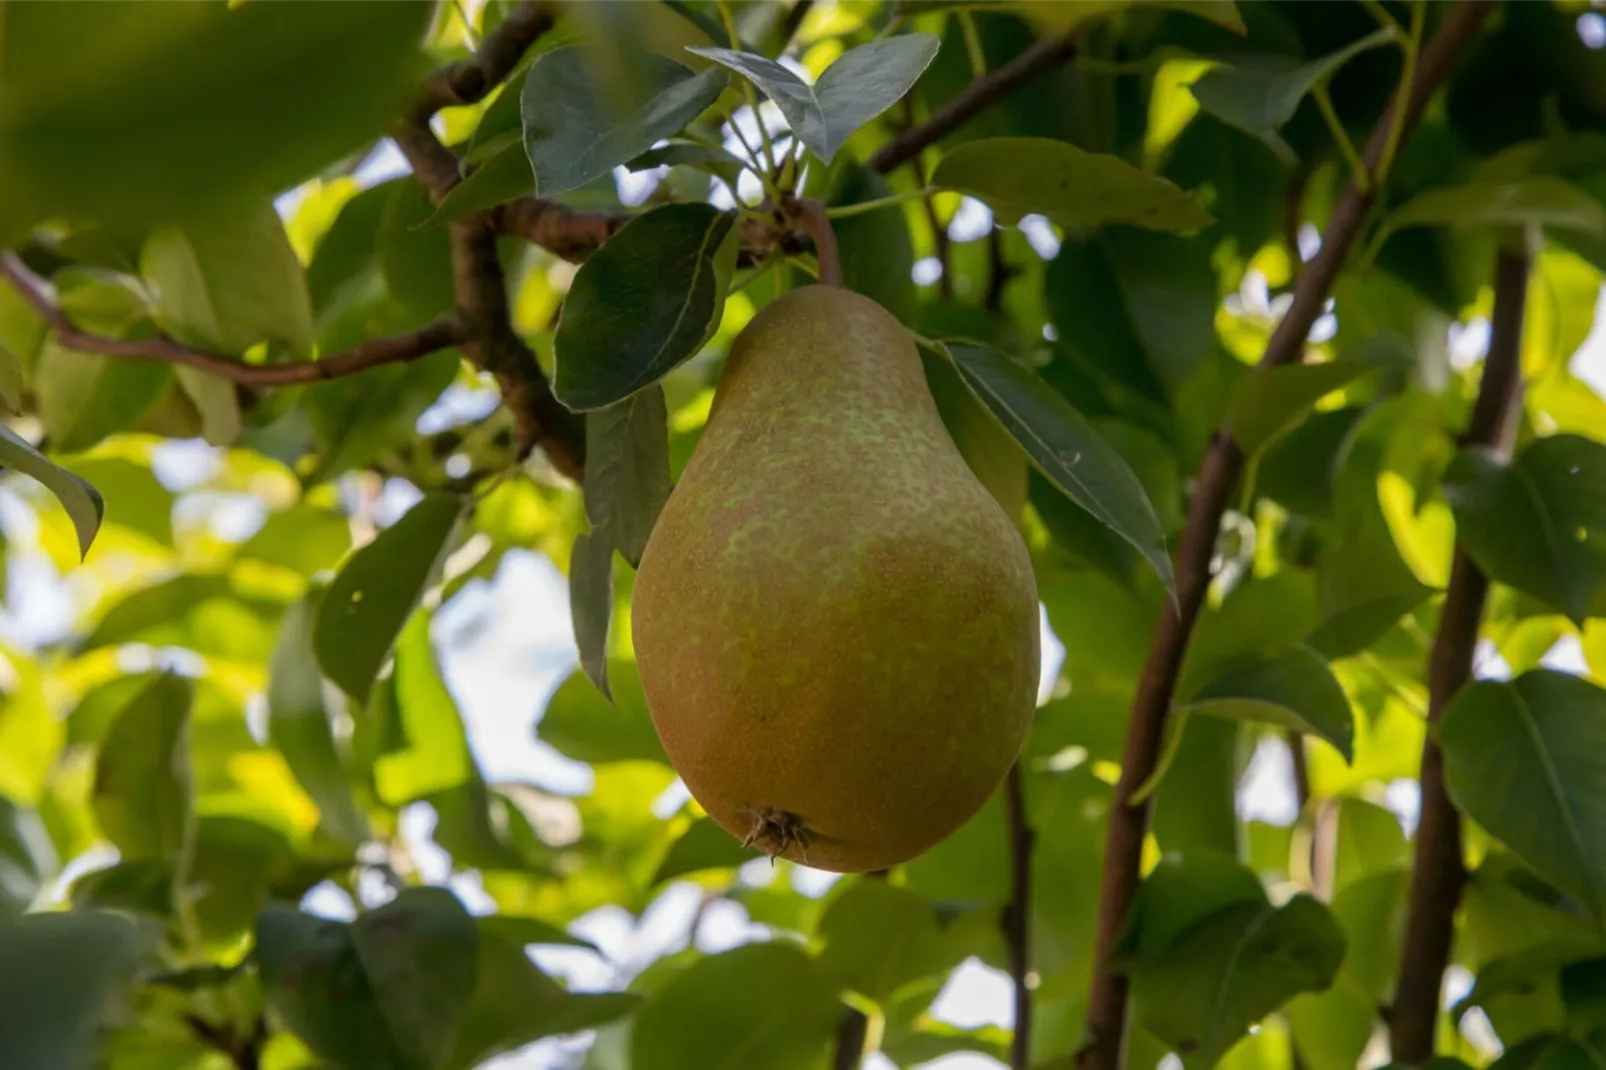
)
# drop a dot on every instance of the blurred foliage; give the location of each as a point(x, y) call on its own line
point(248, 692)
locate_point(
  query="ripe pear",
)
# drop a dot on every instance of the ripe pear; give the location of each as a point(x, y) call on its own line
point(835, 624)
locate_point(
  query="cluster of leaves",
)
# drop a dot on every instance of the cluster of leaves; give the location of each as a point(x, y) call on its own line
point(224, 683)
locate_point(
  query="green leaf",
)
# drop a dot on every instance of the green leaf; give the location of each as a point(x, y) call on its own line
point(1181, 892)
point(416, 261)
point(82, 398)
point(591, 603)
point(1261, 93)
point(214, 397)
point(1541, 200)
point(879, 938)
point(759, 1007)
point(524, 931)
point(1134, 309)
point(228, 281)
point(84, 505)
point(1065, 448)
point(59, 977)
point(705, 845)
point(22, 331)
point(360, 417)
point(1231, 970)
point(515, 1004)
point(1525, 760)
point(875, 248)
point(723, 165)
point(298, 723)
point(304, 538)
point(432, 754)
point(502, 178)
point(388, 991)
point(1271, 401)
point(861, 84)
point(582, 724)
point(1293, 688)
point(1017, 176)
point(142, 794)
point(419, 953)
point(191, 106)
point(644, 302)
point(1537, 523)
point(576, 131)
point(312, 977)
point(378, 588)
point(627, 471)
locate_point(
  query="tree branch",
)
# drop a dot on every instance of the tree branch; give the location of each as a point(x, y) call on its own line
point(1018, 917)
point(850, 1037)
point(975, 98)
point(1438, 870)
point(1107, 1000)
point(479, 285)
point(441, 334)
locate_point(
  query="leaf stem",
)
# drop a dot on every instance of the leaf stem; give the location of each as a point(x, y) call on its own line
point(978, 55)
point(1357, 166)
point(811, 218)
point(846, 210)
point(747, 87)
point(1412, 47)
point(1380, 13)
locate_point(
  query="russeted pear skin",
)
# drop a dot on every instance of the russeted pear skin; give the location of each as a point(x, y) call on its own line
point(835, 624)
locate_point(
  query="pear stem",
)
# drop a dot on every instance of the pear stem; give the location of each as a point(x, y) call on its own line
point(816, 224)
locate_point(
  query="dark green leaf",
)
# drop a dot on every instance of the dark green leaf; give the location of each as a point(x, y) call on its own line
point(298, 723)
point(643, 303)
point(419, 953)
point(1273, 400)
point(59, 977)
point(1135, 309)
point(879, 938)
point(1017, 176)
point(84, 505)
point(861, 84)
point(82, 398)
point(716, 161)
point(576, 130)
point(142, 792)
point(1538, 200)
point(190, 105)
point(416, 261)
point(1261, 93)
point(1231, 970)
point(228, 281)
point(312, 977)
point(378, 588)
point(1181, 892)
point(514, 1004)
point(875, 249)
point(627, 470)
point(524, 931)
point(762, 1006)
point(501, 178)
point(1065, 448)
point(591, 603)
point(705, 845)
point(1294, 689)
point(1525, 760)
point(1537, 523)
point(581, 724)
point(360, 417)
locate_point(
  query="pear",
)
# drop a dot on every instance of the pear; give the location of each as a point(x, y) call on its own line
point(835, 624)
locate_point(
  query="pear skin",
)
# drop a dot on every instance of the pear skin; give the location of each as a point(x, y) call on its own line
point(835, 623)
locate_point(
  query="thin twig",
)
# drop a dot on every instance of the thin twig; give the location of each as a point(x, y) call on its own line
point(394, 349)
point(1107, 999)
point(1018, 916)
point(980, 94)
point(1438, 870)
